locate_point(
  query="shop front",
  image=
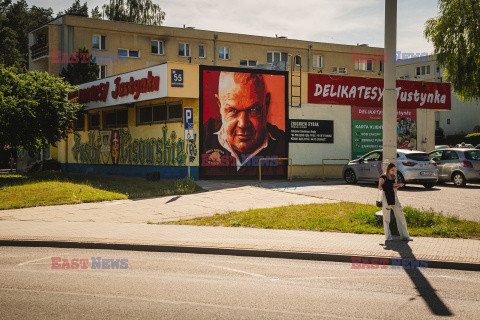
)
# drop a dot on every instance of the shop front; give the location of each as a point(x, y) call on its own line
point(135, 123)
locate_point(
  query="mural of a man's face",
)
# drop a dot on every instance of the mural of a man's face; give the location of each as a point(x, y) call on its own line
point(243, 103)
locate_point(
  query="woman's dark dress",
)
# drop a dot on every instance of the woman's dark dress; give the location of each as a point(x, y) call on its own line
point(388, 189)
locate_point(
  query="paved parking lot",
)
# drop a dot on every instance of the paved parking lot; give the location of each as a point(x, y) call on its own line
point(446, 198)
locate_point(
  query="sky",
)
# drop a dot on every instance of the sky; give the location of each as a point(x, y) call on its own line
point(340, 21)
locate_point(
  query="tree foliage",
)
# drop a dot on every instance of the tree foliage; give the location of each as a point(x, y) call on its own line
point(80, 72)
point(455, 34)
point(20, 19)
point(136, 11)
point(77, 9)
point(34, 109)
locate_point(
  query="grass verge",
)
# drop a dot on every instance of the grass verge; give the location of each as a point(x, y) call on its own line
point(52, 188)
point(340, 217)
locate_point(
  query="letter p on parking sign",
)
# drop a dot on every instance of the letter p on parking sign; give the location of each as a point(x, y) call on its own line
point(188, 122)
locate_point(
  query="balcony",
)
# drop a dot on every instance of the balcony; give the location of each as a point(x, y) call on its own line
point(39, 50)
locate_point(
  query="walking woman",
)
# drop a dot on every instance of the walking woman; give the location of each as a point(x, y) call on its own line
point(390, 201)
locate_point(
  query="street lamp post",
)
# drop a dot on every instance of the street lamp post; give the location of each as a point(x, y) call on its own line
point(390, 91)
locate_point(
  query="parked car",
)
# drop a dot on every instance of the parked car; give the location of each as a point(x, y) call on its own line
point(465, 145)
point(458, 165)
point(443, 146)
point(412, 167)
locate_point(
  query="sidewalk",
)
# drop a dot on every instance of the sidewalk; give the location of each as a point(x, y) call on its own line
point(123, 225)
point(442, 253)
point(223, 198)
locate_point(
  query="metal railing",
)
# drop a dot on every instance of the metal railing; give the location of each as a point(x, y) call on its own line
point(260, 167)
point(323, 166)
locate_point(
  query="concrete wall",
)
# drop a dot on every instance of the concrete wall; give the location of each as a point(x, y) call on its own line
point(307, 157)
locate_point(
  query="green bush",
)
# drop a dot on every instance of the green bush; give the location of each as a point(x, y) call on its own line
point(472, 138)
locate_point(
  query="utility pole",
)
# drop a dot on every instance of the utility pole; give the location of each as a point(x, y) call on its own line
point(390, 85)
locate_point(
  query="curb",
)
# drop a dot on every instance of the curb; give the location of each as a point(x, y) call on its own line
point(282, 254)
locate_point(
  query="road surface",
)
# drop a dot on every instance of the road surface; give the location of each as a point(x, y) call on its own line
point(192, 286)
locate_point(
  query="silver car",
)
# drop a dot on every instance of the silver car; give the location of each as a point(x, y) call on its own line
point(412, 167)
point(458, 165)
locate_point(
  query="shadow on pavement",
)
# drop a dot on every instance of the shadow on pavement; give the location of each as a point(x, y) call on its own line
point(423, 286)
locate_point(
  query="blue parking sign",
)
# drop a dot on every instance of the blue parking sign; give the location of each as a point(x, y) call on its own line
point(188, 118)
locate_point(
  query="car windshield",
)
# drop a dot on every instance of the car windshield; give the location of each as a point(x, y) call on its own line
point(417, 156)
point(472, 155)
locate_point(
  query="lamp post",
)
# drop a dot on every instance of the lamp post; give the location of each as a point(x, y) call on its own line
point(390, 81)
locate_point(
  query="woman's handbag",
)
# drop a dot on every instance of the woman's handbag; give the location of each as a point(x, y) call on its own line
point(379, 202)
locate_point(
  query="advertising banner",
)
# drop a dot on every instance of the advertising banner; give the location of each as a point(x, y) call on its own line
point(359, 91)
point(367, 129)
point(243, 119)
point(140, 85)
point(311, 131)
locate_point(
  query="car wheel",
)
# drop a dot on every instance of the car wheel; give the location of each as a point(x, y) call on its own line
point(350, 176)
point(400, 178)
point(429, 185)
point(458, 179)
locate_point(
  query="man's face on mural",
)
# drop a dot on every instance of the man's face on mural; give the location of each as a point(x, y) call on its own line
point(243, 105)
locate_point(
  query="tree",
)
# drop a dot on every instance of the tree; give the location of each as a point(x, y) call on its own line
point(85, 70)
point(96, 14)
point(136, 11)
point(455, 35)
point(21, 19)
point(10, 55)
point(77, 9)
point(34, 109)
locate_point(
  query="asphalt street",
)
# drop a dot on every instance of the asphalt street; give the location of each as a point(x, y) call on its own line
point(190, 286)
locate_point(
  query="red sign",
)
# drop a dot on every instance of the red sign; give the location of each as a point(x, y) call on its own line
point(115, 146)
point(358, 91)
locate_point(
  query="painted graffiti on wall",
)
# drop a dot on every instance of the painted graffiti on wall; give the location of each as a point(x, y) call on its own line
point(118, 147)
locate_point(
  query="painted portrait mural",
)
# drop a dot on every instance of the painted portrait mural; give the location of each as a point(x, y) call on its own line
point(243, 117)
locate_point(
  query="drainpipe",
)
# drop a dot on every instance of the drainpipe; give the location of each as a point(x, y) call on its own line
point(215, 37)
point(309, 53)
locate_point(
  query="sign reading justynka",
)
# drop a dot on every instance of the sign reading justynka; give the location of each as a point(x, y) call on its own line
point(359, 91)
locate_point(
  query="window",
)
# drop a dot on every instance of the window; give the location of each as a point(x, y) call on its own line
point(98, 42)
point(183, 49)
point(298, 60)
point(224, 53)
point(79, 123)
point(201, 52)
point(115, 119)
point(436, 156)
point(472, 155)
point(405, 77)
point(438, 69)
point(417, 156)
point(102, 71)
point(93, 121)
point(423, 70)
point(128, 53)
point(364, 65)
point(171, 111)
point(382, 66)
point(248, 63)
point(276, 56)
point(374, 156)
point(449, 155)
point(157, 47)
point(317, 61)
